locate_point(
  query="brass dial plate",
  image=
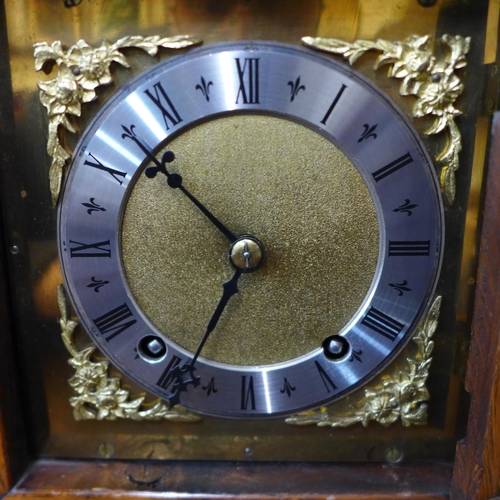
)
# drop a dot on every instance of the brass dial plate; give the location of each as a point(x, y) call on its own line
point(241, 79)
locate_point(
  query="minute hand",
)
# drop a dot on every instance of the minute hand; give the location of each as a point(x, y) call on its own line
point(175, 180)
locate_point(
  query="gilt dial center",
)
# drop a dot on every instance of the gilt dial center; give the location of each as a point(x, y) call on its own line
point(247, 253)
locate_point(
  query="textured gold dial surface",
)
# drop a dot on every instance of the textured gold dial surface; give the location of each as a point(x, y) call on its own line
point(281, 182)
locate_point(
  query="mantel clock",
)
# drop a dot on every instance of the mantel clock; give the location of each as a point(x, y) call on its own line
point(252, 246)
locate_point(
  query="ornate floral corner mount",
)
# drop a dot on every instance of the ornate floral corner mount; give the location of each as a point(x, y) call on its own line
point(430, 79)
point(80, 70)
point(399, 395)
point(99, 396)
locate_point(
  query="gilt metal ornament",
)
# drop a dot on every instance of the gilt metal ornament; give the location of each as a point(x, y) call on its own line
point(80, 70)
point(430, 79)
point(401, 394)
point(100, 396)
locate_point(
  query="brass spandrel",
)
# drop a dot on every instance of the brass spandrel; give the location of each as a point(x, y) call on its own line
point(100, 396)
point(431, 79)
point(81, 70)
point(282, 183)
point(399, 393)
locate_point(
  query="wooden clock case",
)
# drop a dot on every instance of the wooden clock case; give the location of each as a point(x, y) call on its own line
point(474, 473)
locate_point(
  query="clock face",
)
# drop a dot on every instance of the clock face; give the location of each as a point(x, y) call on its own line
point(250, 230)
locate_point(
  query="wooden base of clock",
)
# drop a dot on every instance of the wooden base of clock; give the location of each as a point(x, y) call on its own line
point(68, 480)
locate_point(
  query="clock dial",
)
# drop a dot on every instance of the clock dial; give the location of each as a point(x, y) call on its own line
point(255, 169)
point(250, 157)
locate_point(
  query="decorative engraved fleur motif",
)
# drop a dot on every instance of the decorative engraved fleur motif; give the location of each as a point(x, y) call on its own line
point(93, 206)
point(80, 70)
point(356, 355)
point(369, 132)
point(205, 88)
point(400, 396)
point(99, 396)
point(97, 284)
point(287, 388)
point(400, 287)
point(431, 80)
point(295, 88)
point(406, 208)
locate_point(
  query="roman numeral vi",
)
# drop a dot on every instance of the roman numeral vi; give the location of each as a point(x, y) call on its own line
point(247, 393)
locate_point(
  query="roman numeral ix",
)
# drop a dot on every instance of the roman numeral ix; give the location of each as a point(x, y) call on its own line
point(98, 249)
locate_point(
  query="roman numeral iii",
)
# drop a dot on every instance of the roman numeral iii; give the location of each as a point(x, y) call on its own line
point(115, 321)
point(382, 323)
point(409, 248)
point(248, 75)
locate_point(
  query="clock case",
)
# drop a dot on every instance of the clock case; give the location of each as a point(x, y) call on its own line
point(27, 428)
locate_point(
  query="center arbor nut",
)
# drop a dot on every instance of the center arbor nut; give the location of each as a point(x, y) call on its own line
point(247, 253)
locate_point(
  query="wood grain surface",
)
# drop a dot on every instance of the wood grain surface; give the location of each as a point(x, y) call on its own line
point(111, 479)
point(477, 463)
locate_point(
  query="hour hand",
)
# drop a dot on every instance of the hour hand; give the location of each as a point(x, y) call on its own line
point(174, 180)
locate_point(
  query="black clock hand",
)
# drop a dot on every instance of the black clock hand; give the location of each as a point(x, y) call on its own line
point(175, 180)
point(230, 289)
point(177, 372)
